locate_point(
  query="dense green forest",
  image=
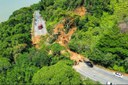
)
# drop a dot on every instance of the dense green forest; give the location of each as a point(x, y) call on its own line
point(100, 36)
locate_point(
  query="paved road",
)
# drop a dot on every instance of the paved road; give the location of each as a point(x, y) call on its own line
point(39, 20)
point(99, 74)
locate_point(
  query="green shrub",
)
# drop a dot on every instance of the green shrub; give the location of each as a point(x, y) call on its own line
point(58, 74)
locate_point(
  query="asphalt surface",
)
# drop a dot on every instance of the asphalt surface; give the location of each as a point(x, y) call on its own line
point(39, 20)
point(98, 74)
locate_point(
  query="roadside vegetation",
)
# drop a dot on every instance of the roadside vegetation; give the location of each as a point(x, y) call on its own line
point(101, 36)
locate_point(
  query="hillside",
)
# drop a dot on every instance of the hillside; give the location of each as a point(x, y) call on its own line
point(93, 29)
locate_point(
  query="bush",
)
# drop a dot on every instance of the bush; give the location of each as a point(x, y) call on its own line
point(119, 68)
point(58, 74)
point(4, 63)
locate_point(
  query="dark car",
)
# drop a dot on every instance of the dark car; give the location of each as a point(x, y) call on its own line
point(89, 63)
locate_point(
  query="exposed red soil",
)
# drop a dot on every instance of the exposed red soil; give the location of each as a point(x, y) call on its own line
point(64, 38)
point(36, 40)
point(81, 11)
point(58, 28)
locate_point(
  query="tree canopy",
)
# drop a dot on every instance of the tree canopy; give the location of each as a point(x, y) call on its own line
point(101, 35)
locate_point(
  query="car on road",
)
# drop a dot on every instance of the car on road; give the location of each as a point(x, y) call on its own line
point(108, 83)
point(118, 74)
point(88, 63)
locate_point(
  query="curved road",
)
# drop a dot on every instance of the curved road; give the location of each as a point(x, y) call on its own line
point(99, 74)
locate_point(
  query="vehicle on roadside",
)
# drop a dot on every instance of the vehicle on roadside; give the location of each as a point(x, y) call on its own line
point(117, 74)
point(108, 83)
point(89, 63)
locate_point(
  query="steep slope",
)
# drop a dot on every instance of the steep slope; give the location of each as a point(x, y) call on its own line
point(65, 34)
point(94, 32)
point(22, 60)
